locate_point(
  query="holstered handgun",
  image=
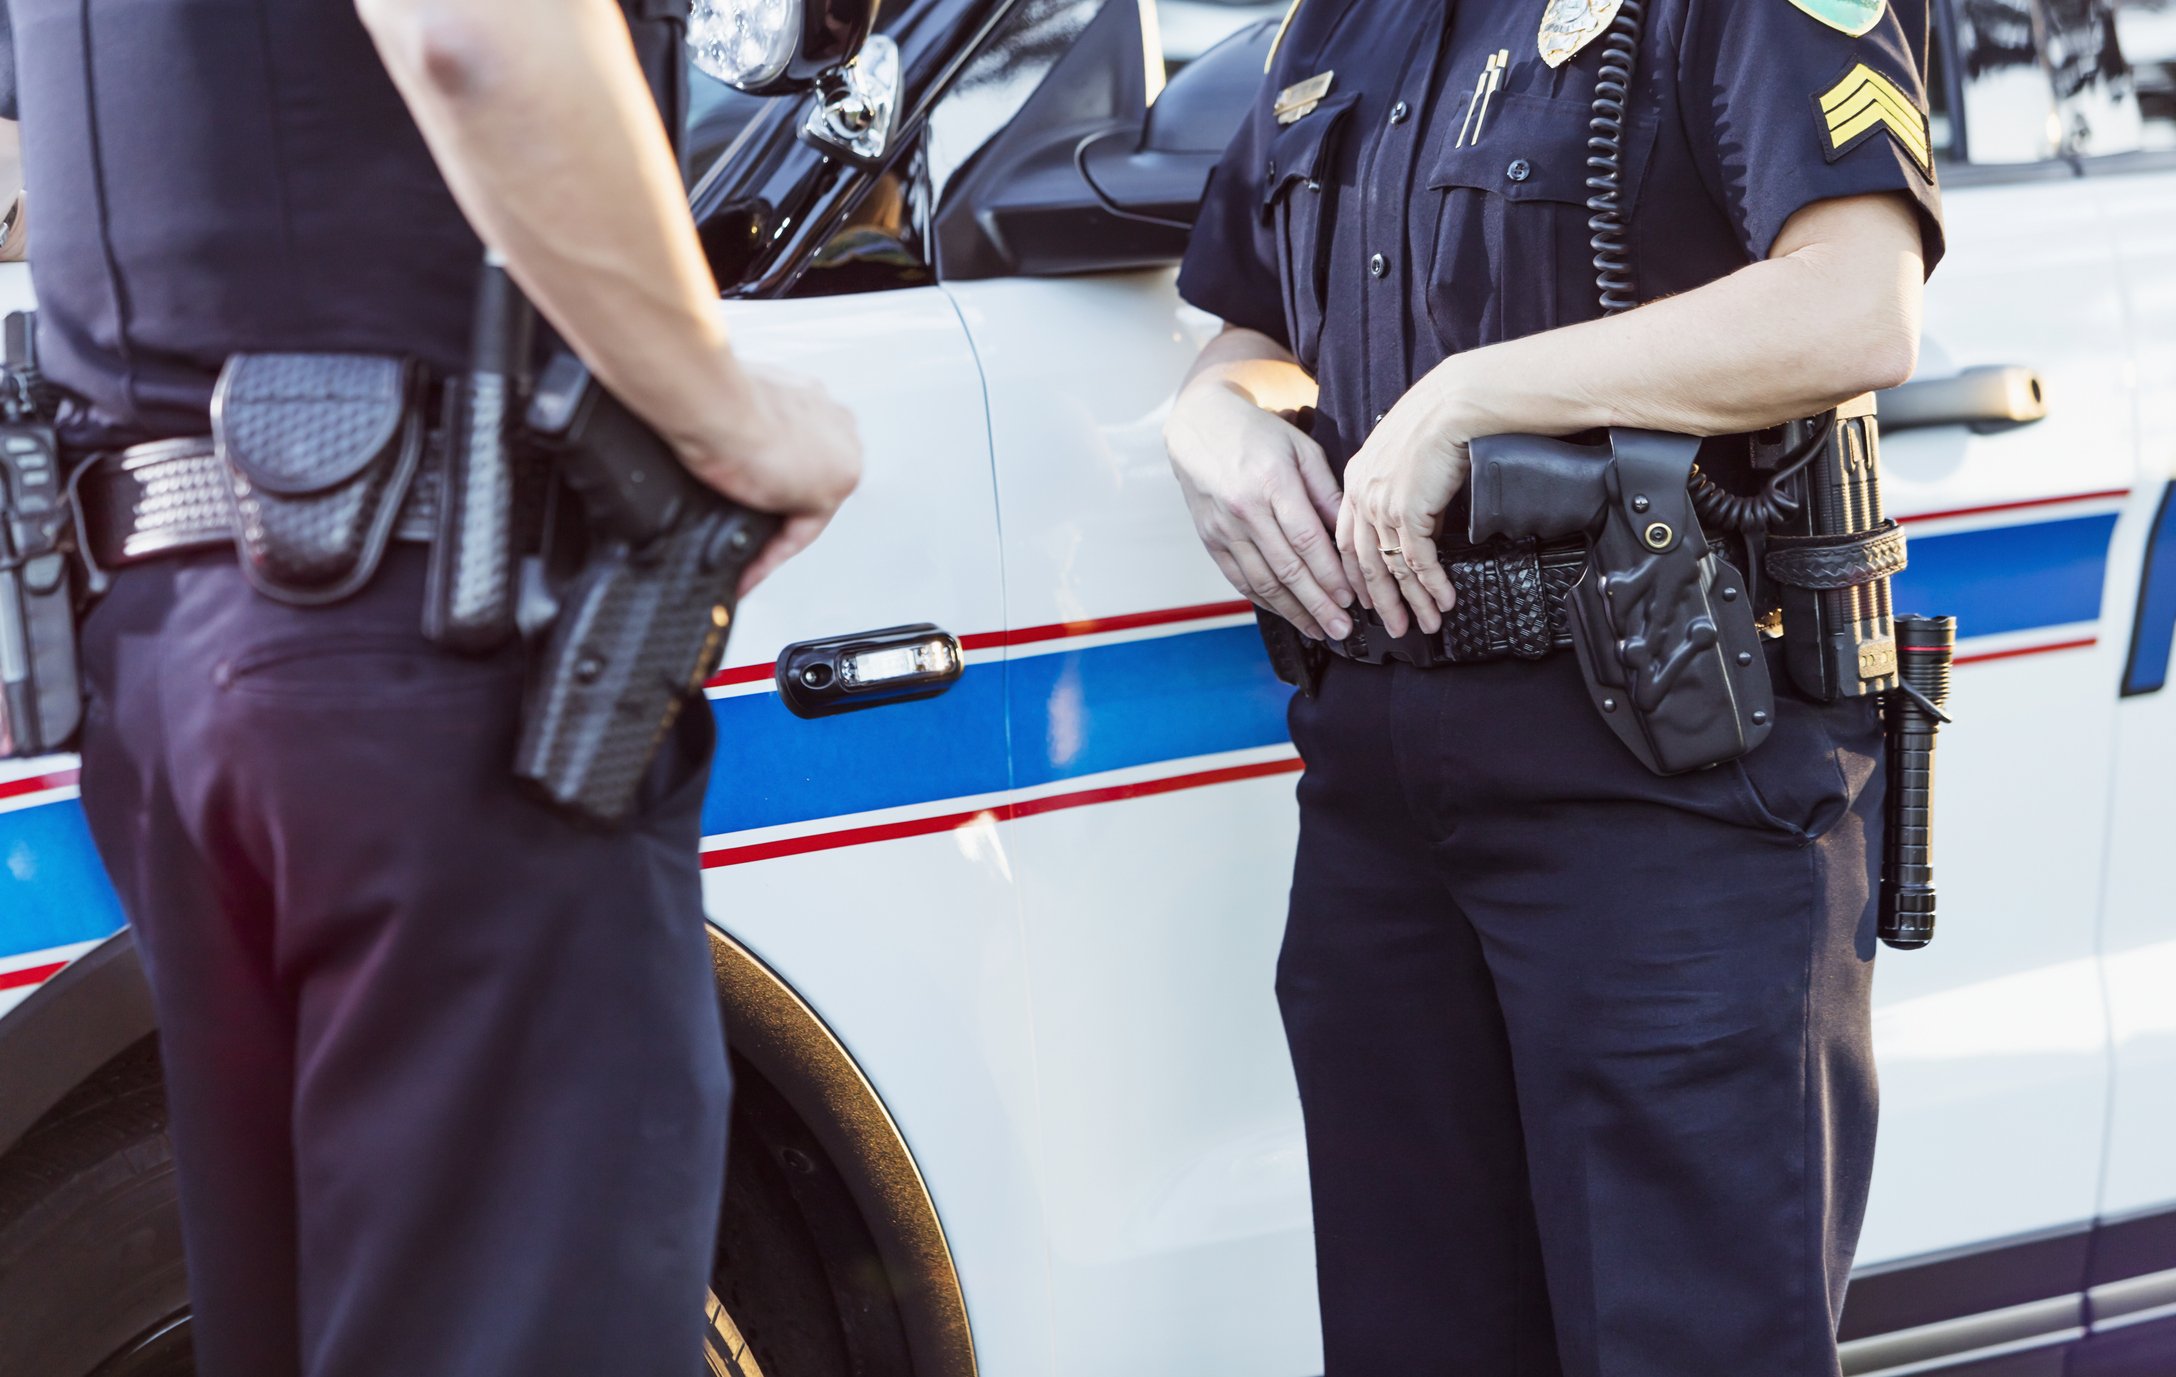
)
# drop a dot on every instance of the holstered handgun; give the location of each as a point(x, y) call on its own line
point(643, 623)
point(1662, 625)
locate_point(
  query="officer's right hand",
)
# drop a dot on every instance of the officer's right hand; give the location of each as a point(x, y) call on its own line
point(782, 445)
point(1264, 502)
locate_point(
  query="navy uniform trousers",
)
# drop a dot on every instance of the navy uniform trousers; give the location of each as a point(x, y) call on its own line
point(1583, 1052)
point(447, 1081)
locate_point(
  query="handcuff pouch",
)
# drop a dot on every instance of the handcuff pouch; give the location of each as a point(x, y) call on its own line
point(319, 452)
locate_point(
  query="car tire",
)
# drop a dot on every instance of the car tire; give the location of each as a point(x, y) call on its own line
point(796, 1264)
point(92, 1281)
point(91, 1278)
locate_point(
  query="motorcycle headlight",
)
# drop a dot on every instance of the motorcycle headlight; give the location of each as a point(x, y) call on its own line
point(746, 44)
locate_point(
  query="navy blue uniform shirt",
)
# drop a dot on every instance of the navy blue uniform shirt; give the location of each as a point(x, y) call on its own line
point(1434, 200)
point(220, 176)
point(7, 64)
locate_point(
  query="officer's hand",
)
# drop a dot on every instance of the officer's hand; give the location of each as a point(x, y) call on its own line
point(1263, 498)
point(15, 230)
point(1396, 489)
point(786, 448)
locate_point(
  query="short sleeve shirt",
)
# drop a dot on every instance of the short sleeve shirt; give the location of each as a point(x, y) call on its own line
point(1428, 192)
point(222, 176)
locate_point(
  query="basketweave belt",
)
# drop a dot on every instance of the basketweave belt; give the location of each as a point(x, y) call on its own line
point(169, 497)
point(1508, 605)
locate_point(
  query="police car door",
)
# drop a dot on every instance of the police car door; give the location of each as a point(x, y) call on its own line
point(1151, 824)
point(1992, 1042)
point(2120, 120)
point(850, 848)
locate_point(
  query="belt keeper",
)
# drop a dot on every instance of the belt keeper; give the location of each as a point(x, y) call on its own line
point(1526, 601)
point(1834, 562)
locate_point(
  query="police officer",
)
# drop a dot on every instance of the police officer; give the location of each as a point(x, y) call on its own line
point(447, 1084)
point(1583, 1049)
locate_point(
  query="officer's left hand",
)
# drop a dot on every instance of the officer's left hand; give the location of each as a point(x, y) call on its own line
point(1396, 490)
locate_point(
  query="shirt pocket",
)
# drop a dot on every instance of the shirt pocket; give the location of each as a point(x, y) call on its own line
point(1511, 254)
point(1299, 198)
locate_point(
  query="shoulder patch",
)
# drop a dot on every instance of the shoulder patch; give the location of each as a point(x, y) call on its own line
point(1864, 104)
point(1853, 17)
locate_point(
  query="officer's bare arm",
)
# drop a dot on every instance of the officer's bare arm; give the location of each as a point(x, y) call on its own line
point(543, 126)
point(1833, 312)
point(1261, 492)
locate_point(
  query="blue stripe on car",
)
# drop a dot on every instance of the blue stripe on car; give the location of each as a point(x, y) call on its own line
point(52, 890)
point(1086, 710)
point(2010, 578)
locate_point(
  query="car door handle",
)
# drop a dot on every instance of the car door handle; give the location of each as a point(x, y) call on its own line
point(869, 669)
point(1986, 399)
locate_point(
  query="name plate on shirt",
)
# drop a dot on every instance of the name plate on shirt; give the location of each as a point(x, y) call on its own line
point(1302, 97)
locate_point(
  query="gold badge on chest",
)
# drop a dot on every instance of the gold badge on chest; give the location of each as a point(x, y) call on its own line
point(1569, 25)
point(1301, 98)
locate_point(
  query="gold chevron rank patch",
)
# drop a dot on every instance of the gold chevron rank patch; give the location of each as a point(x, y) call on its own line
point(1864, 104)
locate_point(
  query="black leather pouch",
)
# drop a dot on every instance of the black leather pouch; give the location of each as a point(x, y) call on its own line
point(319, 450)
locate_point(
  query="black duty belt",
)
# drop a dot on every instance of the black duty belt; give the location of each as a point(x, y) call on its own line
point(169, 497)
point(1508, 605)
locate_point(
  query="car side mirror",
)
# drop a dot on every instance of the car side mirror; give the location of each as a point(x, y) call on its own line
point(1091, 175)
point(780, 47)
point(1159, 169)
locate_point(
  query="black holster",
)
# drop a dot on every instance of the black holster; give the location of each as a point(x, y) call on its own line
point(643, 622)
point(1662, 624)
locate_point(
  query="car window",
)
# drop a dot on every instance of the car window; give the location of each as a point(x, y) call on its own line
point(2096, 95)
point(2008, 109)
point(999, 80)
point(2145, 33)
point(1941, 124)
point(882, 244)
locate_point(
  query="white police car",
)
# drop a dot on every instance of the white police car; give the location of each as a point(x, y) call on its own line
point(997, 962)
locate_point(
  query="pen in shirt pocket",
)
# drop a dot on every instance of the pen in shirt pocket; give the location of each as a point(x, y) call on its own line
point(1484, 86)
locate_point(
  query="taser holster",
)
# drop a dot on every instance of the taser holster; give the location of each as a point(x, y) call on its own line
point(1663, 625)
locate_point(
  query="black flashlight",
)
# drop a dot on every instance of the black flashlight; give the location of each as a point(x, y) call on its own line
point(1913, 712)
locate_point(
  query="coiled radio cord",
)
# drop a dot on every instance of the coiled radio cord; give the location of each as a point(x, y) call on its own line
point(1617, 286)
point(1610, 236)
